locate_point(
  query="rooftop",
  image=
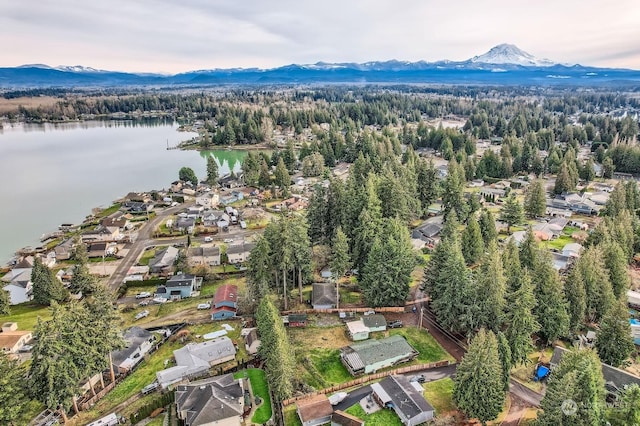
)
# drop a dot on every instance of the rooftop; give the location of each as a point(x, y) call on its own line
point(313, 408)
point(405, 398)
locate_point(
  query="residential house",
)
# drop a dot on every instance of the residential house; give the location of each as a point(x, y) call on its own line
point(373, 355)
point(375, 322)
point(223, 221)
point(572, 250)
point(252, 342)
point(476, 183)
point(64, 250)
point(19, 285)
point(194, 212)
point(575, 202)
point(215, 401)
point(176, 186)
point(232, 181)
point(163, 261)
point(357, 330)
point(195, 359)
point(429, 231)
point(138, 343)
point(560, 261)
point(139, 197)
point(12, 339)
point(137, 207)
point(600, 198)
point(117, 220)
point(210, 218)
point(323, 296)
point(518, 237)
point(635, 330)
point(179, 287)
point(188, 192)
point(225, 302)
point(239, 253)
point(405, 398)
point(207, 256)
point(137, 273)
point(326, 272)
point(615, 379)
point(208, 199)
point(492, 193)
point(185, 224)
point(101, 234)
point(314, 411)
point(341, 418)
point(98, 249)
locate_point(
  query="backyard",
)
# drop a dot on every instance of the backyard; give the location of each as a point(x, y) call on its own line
point(26, 315)
point(260, 388)
point(439, 394)
point(383, 417)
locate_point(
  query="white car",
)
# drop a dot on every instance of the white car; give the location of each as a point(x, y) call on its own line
point(208, 239)
point(142, 314)
point(160, 300)
point(228, 240)
point(175, 203)
point(143, 295)
point(204, 306)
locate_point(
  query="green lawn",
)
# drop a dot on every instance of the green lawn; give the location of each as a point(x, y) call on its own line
point(327, 362)
point(260, 388)
point(108, 211)
point(348, 296)
point(558, 243)
point(384, 417)
point(26, 315)
point(148, 255)
point(439, 395)
point(291, 416)
point(423, 342)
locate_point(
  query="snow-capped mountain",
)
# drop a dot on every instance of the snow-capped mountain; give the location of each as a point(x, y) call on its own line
point(76, 68)
point(509, 54)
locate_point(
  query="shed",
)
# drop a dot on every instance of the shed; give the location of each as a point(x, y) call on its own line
point(297, 320)
point(375, 322)
point(357, 330)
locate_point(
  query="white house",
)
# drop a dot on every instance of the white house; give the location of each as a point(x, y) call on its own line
point(239, 253)
point(138, 343)
point(19, 286)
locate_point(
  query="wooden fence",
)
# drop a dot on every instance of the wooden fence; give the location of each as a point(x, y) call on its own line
point(366, 379)
point(335, 310)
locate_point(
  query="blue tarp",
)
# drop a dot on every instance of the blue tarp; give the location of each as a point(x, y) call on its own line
point(541, 372)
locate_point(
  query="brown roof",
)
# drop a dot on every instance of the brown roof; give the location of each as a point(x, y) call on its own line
point(8, 339)
point(226, 293)
point(313, 408)
point(345, 419)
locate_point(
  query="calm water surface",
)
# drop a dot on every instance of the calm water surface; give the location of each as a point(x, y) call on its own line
point(56, 173)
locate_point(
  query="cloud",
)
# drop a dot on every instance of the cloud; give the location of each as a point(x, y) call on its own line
point(165, 35)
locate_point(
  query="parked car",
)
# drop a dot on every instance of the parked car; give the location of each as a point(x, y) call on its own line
point(204, 306)
point(175, 203)
point(150, 388)
point(144, 303)
point(160, 300)
point(370, 312)
point(419, 378)
point(208, 239)
point(26, 348)
point(143, 295)
point(394, 324)
point(228, 240)
point(142, 314)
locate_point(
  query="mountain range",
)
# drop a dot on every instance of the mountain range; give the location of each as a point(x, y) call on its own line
point(504, 64)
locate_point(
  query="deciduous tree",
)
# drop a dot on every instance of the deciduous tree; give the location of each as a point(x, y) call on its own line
point(186, 174)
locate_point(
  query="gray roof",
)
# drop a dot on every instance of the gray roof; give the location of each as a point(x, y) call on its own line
point(133, 337)
point(211, 400)
point(374, 321)
point(371, 352)
point(429, 229)
point(240, 248)
point(164, 257)
point(324, 294)
point(404, 397)
point(614, 378)
point(204, 251)
point(181, 280)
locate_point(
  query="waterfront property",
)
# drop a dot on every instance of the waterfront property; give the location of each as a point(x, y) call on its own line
point(373, 355)
point(12, 339)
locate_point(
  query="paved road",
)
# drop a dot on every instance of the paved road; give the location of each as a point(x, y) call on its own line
point(430, 375)
point(524, 393)
point(141, 242)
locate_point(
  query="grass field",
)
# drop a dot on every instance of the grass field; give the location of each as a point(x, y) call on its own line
point(384, 417)
point(558, 243)
point(423, 342)
point(148, 255)
point(439, 393)
point(26, 315)
point(260, 388)
point(291, 416)
point(327, 365)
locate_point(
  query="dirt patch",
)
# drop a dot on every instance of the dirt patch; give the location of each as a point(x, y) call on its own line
point(516, 411)
point(316, 337)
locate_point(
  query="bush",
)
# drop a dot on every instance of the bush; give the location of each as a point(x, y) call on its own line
point(146, 410)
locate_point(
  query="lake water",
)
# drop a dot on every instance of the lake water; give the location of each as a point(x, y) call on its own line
point(56, 173)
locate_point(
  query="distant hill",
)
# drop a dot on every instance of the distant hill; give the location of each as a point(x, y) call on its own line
point(504, 64)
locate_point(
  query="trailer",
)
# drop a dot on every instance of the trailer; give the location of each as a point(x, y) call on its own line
point(109, 420)
point(633, 299)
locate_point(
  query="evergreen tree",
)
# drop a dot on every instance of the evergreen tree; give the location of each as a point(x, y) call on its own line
point(535, 202)
point(281, 176)
point(588, 172)
point(259, 271)
point(504, 350)
point(46, 286)
point(529, 251)
point(478, 389)
point(212, 170)
point(617, 201)
point(578, 378)
point(511, 265)
point(82, 280)
point(386, 275)
point(577, 298)
point(520, 321)
point(452, 194)
point(369, 226)
point(491, 288)
point(488, 227)
point(340, 260)
point(597, 287)
point(551, 309)
point(264, 178)
point(607, 168)
point(186, 174)
point(301, 249)
point(317, 212)
point(627, 410)
point(511, 212)
point(564, 182)
point(472, 243)
point(250, 169)
point(614, 341)
point(12, 391)
point(428, 184)
point(616, 264)
point(5, 302)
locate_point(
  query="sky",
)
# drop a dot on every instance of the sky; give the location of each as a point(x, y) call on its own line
point(172, 36)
